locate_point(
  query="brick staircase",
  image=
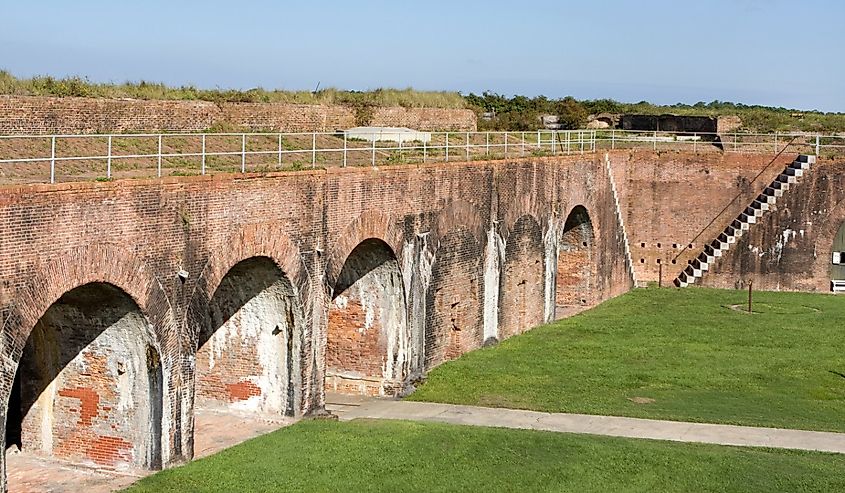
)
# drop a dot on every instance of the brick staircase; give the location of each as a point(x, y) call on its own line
point(759, 207)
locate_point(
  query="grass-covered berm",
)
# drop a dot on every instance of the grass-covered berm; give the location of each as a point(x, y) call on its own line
point(687, 355)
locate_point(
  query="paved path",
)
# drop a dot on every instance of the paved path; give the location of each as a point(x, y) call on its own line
point(348, 408)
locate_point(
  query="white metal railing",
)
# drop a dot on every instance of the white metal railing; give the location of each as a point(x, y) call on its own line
point(31, 158)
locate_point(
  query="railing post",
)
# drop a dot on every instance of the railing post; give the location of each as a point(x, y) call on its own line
point(554, 143)
point(776, 142)
point(374, 151)
point(53, 159)
point(522, 153)
point(818, 144)
point(506, 144)
point(202, 169)
point(313, 149)
point(158, 166)
point(613, 138)
point(243, 153)
point(280, 150)
point(447, 147)
point(581, 140)
point(487, 144)
point(425, 150)
point(654, 142)
point(694, 141)
point(539, 145)
point(108, 161)
point(568, 141)
point(344, 149)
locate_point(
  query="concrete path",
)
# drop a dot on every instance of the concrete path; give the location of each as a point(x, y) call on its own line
point(348, 408)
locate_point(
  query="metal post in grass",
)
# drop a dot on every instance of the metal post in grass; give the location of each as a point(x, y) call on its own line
point(158, 165)
point(202, 169)
point(108, 160)
point(313, 149)
point(53, 159)
point(243, 153)
point(750, 287)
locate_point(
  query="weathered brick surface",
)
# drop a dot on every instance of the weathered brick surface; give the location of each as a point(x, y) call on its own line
point(435, 222)
point(670, 199)
point(34, 115)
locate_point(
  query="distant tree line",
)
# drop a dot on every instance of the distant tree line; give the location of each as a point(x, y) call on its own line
point(520, 113)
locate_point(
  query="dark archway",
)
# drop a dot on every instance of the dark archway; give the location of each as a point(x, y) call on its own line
point(454, 301)
point(88, 388)
point(575, 281)
point(837, 270)
point(369, 345)
point(248, 350)
point(522, 298)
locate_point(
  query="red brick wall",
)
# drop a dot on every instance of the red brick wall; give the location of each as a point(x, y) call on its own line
point(137, 235)
point(32, 115)
point(671, 197)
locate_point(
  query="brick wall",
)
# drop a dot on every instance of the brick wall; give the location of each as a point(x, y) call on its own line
point(32, 115)
point(435, 221)
point(671, 197)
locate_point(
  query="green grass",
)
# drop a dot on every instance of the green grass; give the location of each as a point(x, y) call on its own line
point(395, 456)
point(82, 87)
point(685, 349)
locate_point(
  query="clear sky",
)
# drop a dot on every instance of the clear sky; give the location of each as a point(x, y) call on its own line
point(773, 52)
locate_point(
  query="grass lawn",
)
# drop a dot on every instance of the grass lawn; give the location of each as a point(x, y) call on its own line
point(403, 456)
point(670, 354)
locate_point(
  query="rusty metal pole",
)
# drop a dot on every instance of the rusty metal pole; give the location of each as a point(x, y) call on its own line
point(750, 286)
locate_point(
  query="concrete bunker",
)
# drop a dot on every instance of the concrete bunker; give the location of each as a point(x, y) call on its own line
point(576, 275)
point(454, 313)
point(247, 357)
point(368, 350)
point(522, 294)
point(88, 388)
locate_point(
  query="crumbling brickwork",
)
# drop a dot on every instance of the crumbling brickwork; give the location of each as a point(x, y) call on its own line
point(175, 250)
point(35, 115)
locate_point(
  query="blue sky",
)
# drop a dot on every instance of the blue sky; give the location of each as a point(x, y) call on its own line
point(782, 53)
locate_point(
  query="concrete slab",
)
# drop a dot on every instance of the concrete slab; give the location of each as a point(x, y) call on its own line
point(746, 436)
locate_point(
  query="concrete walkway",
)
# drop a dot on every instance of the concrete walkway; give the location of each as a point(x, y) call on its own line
point(348, 408)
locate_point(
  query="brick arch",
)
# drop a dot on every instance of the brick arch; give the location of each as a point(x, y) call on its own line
point(102, 262)
point(458, 214)
point(522, 281)
point(254, 240)
point(576, 273)
point(370, 224)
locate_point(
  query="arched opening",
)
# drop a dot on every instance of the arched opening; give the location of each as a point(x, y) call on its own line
point(454, 306)
point(88, 388)
point(521, 306)
point(576, 265)
point(837, 270)
point(247, 357)
point(368, 338)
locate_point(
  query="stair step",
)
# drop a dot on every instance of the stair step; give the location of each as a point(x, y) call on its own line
point(761, 205)
point(748, 219)
point(751, 211)
point(799, 165)
point(773, 191)
point(787, 179)
point(794, 171)
point(806, 158)
point(768, 198)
